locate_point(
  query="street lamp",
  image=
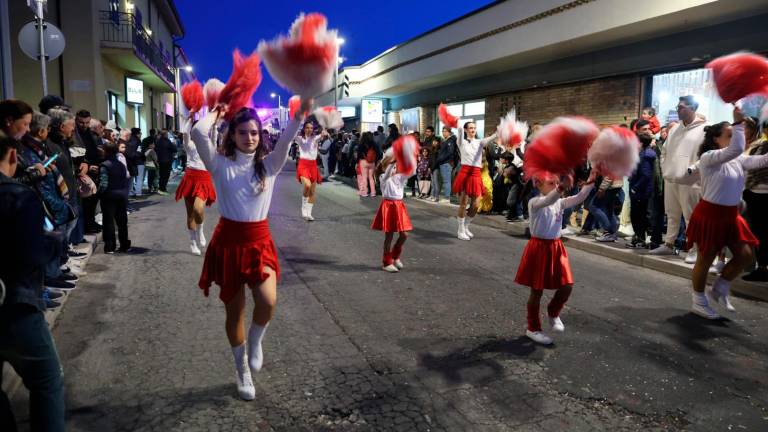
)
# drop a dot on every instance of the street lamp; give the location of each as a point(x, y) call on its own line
point(188, 68)
point(279, 107)
point(340, 41)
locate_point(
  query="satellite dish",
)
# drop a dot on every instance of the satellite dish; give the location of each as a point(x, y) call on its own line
point(53, 39)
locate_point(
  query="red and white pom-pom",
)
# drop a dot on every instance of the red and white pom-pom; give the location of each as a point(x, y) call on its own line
point(406, 151)
point(739, 75)
point(192, 95)
point(212, 90)
point(615, 152)
point(303, 62)
point(446, 117)
point(294, 103)
point(329, 117)
point(559, 148)
point(245, 79)
point(512, 132)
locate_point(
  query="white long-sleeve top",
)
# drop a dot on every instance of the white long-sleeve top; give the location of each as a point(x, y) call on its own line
point(240, 197)
point(392, 183)
point(471, 151)
point(193, 158)
point(681, 151)
point(308, 147)
point(546, 212)
point(722, 171)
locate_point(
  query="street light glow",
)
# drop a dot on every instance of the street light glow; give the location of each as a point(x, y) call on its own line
point(188, 68)
point(273, 95)
point(340, 41)
point(341, 60)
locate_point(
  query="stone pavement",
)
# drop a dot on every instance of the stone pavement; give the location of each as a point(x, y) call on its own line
point(435, 347)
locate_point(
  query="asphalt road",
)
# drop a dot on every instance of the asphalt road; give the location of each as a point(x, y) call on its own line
point(438, 346)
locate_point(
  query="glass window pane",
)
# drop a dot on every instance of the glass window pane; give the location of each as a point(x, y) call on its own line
point(474, 108)
point(455, 110)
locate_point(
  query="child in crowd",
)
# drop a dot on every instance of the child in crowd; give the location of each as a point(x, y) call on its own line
point(423, 173)
point(649, 115)
point(544, 264)
point(150, 165)
point(392, 216)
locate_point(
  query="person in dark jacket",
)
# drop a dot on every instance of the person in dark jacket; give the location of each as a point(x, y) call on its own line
point(394, 134)
point(84, 140)
point(445, 163)
point(25, 341)
point(641, 186)
point(166, 151)
point(113, 188)
point(134, 155)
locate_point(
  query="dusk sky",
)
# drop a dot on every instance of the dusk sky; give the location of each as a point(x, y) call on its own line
point(369, 28)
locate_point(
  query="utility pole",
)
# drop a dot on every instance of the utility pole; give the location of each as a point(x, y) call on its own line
point(41, 29)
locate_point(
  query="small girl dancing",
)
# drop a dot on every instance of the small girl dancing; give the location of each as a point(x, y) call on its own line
point(544, 264)
point(392, 216)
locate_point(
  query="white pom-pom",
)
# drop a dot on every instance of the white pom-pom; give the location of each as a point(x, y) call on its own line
point(615, 152)
point(329, 117)
point(512, 132)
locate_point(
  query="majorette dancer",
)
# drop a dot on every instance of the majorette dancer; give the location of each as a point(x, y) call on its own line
point(196, 187)
point(469, 182)
point(544, 264)
point(392, 216)
point(306, 171)
point(715, 222)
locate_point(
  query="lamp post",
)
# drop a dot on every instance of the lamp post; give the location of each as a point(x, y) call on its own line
point(279, 107)
point(177, 84)
point(340, 42)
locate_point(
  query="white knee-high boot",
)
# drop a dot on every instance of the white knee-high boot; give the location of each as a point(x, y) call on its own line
point(245, 386)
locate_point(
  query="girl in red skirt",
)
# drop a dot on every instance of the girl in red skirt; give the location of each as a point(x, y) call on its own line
point(715, 222)
point(241, 253)
point(468, 183)
point(306, 171)
point(196, 188)
point(392, 216)
point(544, 264)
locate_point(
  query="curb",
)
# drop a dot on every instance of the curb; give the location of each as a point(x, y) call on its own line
point(672, 265)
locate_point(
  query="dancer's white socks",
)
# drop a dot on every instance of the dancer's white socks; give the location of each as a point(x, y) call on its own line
point(467, 222)
point(245, 387)
point(255, 352)
point(304, 201)
point(201, 235)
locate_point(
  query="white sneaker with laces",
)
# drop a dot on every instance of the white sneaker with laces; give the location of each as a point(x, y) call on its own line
point(539, 337)
point(557, 324)
point(701, 307)
point(662, 250)
point(399, 264)
point(193, 248)
point(245, 388)
point(565, 232)
point(690, 257)
point(390, 268)
point(607, 238)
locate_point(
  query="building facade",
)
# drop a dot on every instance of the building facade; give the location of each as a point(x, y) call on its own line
point(121, 61)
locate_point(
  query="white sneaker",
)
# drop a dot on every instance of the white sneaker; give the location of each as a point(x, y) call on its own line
point(309, 212)
point(565, 232)
point(193, 248)
point(690, 257)
point(399, 264)
point(390, 268)
point(662, 250)
point(717, 267)
point(607, 238)
point(201, 240)
point(701, 308)
point(444, 201)
point(463, 234)
point(245, 388)
point(467, 232)
point(539, 337)
point(557, 324)
point(719, 293)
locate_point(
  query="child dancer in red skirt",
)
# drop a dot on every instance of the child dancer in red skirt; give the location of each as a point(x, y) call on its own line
point(241, 253)
point(392, 216)
point(715, 222)
point(306, 171)
point(468, 183)
point(196, 188)
point(544, 264)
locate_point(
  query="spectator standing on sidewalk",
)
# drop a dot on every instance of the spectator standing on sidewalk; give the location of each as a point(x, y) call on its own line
point(641, 185)
point(61, 130)
point(680, 151)
point(86, 142)
point(135, 155)
point(151, 166)
point(603, 208)
point(394, 134)
point(367, 156)
point(114, 185)
point(756, 197)
point(166, 152)
point(379, 139)
point(434, 168)
point(25, 341)
point(445, 164)
point(423, 173)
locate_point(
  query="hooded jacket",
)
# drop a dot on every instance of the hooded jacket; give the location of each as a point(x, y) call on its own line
point(681, 150)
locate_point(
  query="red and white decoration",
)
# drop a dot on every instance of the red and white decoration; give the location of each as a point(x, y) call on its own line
point(303, 62)
point(294, 103)
point(212, 90)
point(328, 117)
point(406, 152)
point(559, 147)
point(449, 119)
point(739, 75)
point(615, 152)
point(512, 132)
point(245, 79)
point(192, 95)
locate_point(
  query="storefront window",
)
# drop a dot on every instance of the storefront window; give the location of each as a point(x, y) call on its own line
point(468, 111)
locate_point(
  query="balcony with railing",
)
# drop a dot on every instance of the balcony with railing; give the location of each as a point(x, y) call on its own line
point(119, 30)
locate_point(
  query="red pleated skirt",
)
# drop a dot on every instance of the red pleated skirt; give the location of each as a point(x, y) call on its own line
point(713, 227)
point(392, 217)
point(544, 265)
point(197, 183)
point(469, 181)
point(237, 254)
point(308, 169)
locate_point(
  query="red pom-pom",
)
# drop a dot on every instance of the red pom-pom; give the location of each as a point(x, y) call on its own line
point(245, 79)
point(192, 95)
point(615, 152)
point(512, 132)
point(559, 147)
point(294, 103)
point(329, 117)
point(406, 151)
point(449, 119)
point(212, 90)
point(739, 75)
point(304, 62)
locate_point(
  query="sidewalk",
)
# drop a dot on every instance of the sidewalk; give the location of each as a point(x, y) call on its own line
point(673, 265)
